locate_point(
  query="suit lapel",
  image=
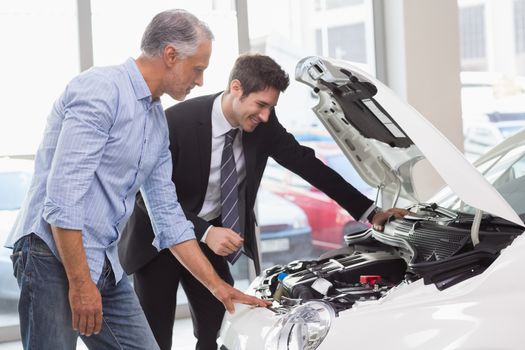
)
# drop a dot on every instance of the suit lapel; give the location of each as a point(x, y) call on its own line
point(203, 143)
point(249, 159)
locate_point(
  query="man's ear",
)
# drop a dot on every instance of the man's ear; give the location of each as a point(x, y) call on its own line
point(236, 88)
point(170, 55)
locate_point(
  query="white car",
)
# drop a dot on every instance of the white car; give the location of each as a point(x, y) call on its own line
point(493, 109)
point(15, 178)
point(447, 276)
point(489, 129)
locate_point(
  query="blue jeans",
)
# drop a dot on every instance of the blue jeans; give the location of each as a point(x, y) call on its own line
point(45, 314)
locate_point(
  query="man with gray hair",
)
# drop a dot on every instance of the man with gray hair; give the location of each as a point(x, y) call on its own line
point(106, 138)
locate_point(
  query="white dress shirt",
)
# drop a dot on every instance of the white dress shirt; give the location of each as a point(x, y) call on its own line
point(211, 207)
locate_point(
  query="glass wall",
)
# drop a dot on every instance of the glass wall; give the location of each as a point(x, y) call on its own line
point(492, 45)
point(296, 220)
point(39, 56)
point(114, 44)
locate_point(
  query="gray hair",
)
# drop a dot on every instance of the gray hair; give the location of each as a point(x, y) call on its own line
point(176, 27)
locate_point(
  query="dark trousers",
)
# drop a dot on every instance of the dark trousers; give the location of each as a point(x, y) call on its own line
point(156, 286)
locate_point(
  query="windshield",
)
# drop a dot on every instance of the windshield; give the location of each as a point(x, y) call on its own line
point(13, 188)
point(507, 131)
point(506, 172)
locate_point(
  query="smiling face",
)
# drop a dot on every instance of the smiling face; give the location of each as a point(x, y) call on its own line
point(184, 73)
point(248, 111)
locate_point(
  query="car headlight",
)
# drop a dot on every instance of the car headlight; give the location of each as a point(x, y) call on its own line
point(304, 328)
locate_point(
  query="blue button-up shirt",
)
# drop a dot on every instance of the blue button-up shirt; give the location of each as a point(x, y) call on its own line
point(105, 139)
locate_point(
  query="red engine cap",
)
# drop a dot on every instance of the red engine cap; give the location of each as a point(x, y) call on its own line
point(369, 279)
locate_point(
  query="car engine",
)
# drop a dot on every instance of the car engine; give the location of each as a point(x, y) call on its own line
point(432, 243)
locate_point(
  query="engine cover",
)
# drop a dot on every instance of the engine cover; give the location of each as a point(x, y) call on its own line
point(431, 243)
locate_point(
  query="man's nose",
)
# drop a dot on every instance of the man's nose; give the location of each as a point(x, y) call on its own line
point(199, 81)
point(264, 115)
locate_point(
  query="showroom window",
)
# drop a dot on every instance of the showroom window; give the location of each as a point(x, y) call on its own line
point(492, 37)
point(347, 42)
point(343, 42)
point(114, 44)
point(519, 25)
point(34, 68)
point(332, 4)
point(40, 41)
point(42, 55)
point(288, 31)
point(472, 37)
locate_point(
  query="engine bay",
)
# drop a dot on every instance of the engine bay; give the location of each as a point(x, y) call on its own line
point(431, 243)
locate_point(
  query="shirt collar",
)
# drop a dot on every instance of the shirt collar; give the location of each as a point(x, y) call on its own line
point(140, 87)
point(219, 123)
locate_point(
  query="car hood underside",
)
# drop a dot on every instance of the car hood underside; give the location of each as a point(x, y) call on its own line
point(385, 138)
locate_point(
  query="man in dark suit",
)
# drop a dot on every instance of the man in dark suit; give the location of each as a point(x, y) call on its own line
point(199, 132)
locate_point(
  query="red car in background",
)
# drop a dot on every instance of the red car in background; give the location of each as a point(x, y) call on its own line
point(327, 219)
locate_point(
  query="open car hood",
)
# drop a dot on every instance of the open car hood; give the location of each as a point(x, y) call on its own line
point(386, 139)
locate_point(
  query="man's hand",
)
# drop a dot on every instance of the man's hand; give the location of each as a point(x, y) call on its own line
point(223, 241)
point(86, 307)
point(228, 295)
point(84, 298)
point(380, 218)
point(190, 255)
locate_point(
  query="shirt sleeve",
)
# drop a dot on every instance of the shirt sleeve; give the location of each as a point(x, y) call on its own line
point(87, 108)
point(205, 235)
point(167, 218)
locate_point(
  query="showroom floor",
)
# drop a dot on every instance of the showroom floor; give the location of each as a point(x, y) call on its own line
point(184, 338)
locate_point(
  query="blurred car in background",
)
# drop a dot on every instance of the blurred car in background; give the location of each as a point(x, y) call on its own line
point(493, 109)
point(486, 131)
point(15, 179)
point(285, 233)
point(325, 216)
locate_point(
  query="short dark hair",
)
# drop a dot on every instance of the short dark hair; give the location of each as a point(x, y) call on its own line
point(258, 72)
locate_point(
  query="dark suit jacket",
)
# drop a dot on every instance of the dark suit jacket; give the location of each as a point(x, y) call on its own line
point(190, 144)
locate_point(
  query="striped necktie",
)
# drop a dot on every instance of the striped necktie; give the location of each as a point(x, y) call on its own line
point(229, 190)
